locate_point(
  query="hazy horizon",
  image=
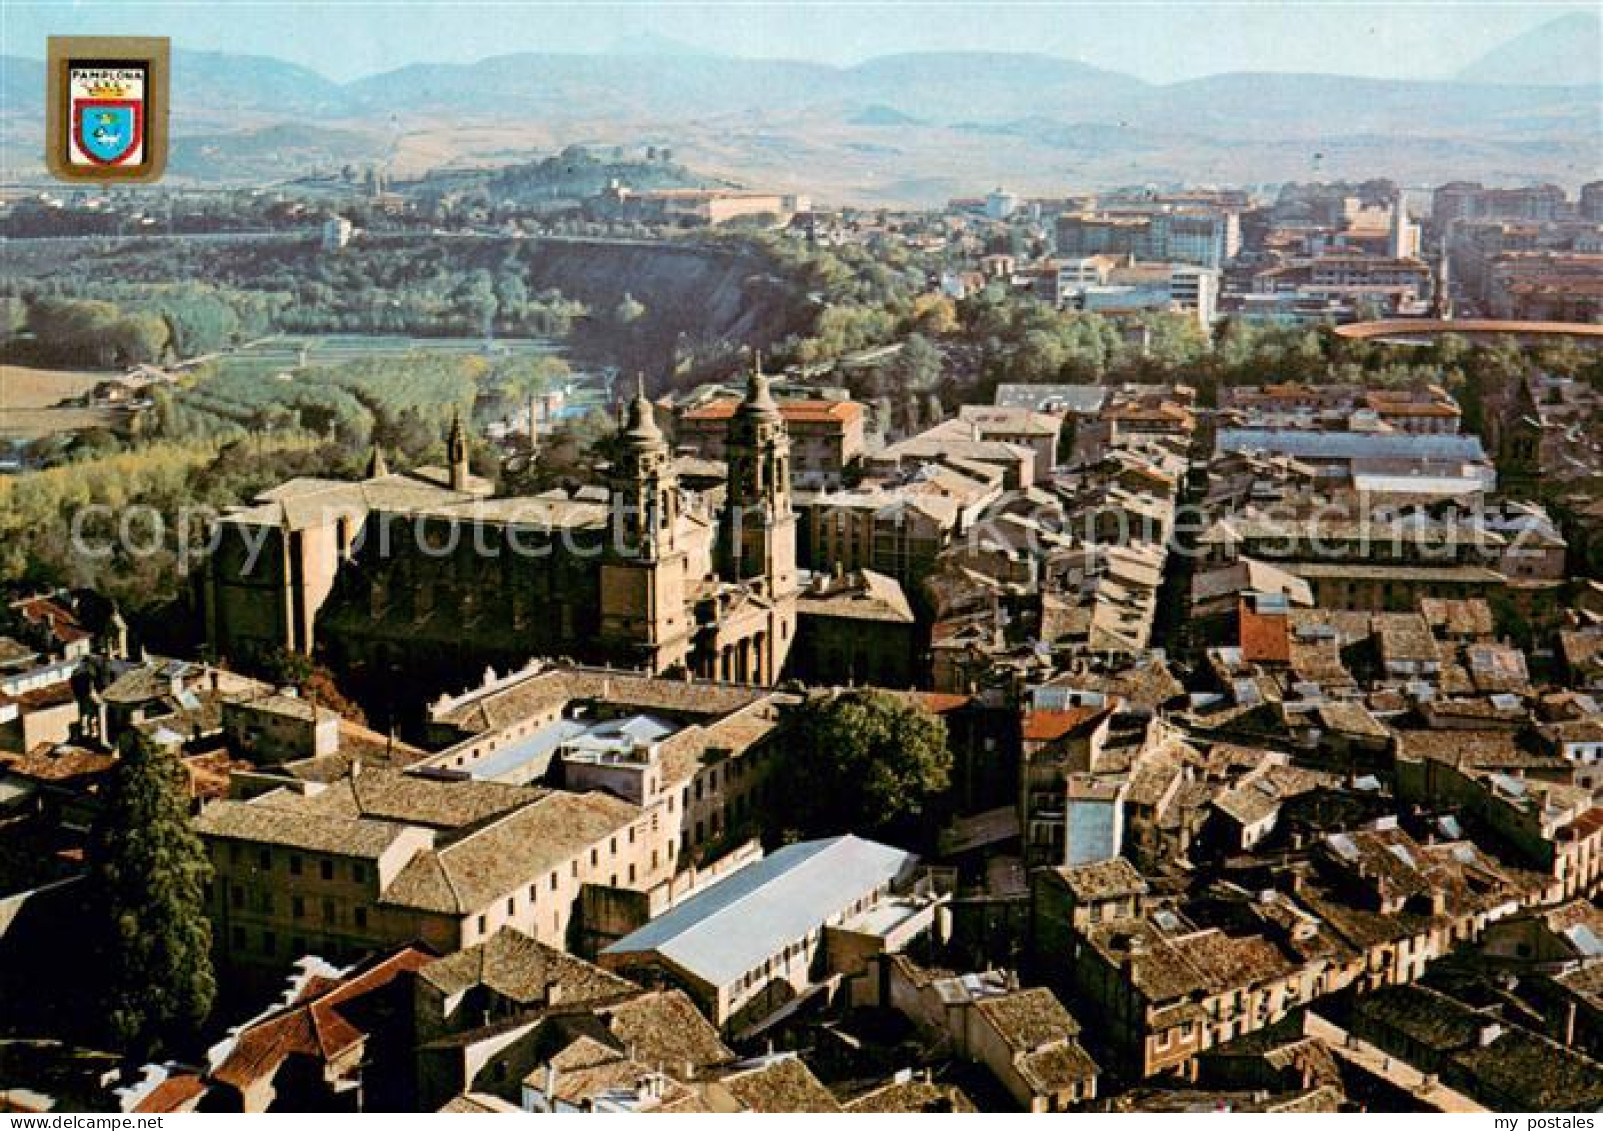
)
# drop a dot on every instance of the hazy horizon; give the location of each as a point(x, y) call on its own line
point(1158, 42)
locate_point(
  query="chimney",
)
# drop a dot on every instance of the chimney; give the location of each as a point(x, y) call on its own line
point(551, 1085)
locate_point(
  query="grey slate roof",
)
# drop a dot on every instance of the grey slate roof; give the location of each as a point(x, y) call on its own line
point(1302, 444)
point(737, 923)
point(1082, 399)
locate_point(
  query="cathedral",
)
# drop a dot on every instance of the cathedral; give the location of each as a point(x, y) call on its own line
point(425, 569)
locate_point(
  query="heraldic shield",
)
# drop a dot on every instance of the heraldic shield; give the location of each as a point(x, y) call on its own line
point(108, 130)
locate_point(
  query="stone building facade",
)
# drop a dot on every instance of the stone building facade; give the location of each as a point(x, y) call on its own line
point(425, 567)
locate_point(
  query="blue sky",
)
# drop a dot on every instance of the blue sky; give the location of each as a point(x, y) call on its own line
point(1160, 42)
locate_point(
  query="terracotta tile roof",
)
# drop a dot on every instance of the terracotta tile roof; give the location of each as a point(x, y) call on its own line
point(173, 1094)
point(1106, 879)
point(783, 1084)
point(912, 1096)
point(520, 969)
point(1029, 1019)
point(57, 764)
point(466, 875)
point(1264, 638)
point(797, 411)
point(59, 621)
point(317, 1026)
point(665, 1027)
point(1049, 726)
point(1056, 1069)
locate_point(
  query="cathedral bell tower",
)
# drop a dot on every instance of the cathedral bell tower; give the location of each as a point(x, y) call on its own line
point(758, 530)
point(643, 573)
point(456, 454)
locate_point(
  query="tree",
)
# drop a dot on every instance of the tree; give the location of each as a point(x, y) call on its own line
point(147, 884)
point(861, 760)
point(918, 366)
point(629, 310)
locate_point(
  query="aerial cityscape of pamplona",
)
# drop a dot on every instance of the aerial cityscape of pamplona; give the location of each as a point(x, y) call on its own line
point(957, 582)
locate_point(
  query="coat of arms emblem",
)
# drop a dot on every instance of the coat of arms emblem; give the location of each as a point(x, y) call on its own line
point(107, 111)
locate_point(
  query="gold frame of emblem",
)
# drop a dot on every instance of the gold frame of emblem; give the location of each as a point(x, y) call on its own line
point(68, 51)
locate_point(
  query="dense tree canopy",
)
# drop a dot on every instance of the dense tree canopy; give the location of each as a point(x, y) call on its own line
point(861, 761)
point(148, 873)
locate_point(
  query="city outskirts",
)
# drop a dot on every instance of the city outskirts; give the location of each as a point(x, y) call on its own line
point(769, 558)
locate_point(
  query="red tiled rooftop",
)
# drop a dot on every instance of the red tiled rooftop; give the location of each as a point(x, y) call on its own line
point(171, 1095)
point(1048, 726)
point(798, 411)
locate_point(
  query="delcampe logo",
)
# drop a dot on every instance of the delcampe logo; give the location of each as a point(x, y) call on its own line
point(107, 108)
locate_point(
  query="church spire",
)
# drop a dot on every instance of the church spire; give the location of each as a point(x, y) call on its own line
point(644, 487)
point(456, 451)
point(757, 525)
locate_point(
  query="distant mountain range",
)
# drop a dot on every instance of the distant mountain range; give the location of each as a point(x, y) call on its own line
point(901, 128)
point(1566, 50)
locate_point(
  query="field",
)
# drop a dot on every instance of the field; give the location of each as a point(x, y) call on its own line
point(28, 400)
point(291, 351)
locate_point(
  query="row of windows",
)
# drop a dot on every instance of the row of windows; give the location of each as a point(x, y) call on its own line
point(239, 943)
point(266, 903)
point(781, 961)
point(486, 923)
point(296, 864)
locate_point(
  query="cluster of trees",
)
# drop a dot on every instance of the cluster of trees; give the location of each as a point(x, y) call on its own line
point(395, 284)
point(135, 971)
point(404, 405)
point(890, 748)
point(47, 518)
point(101, 326)
point(867, 298)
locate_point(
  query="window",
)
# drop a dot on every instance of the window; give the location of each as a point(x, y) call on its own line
point(328, 911)
point(238, 936)
point(294, 865)
point(360, 915)
point(553, 881)
point(297, 907)
point(483, 923)
point(269, 942)
point(512, 905)
point(631, 873)
point(326, 868)
point(236, 896)
point(534, 890)
point(359, 873)
point(264, 860)
point(595, 857)
point(613, 846)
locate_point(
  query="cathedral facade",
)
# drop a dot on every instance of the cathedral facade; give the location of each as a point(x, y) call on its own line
point(425, 569)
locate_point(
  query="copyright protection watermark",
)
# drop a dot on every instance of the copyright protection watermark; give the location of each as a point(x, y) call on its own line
point(536, 529)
